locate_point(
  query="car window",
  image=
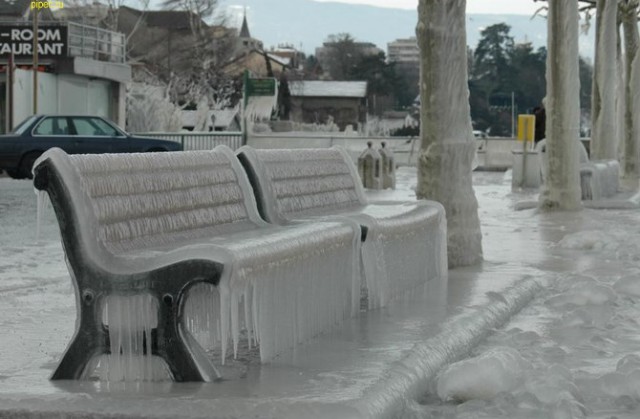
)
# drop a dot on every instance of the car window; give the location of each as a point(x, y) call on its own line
point(105, 127)
point(93, 127)
point(52, 126)
point(24, 125)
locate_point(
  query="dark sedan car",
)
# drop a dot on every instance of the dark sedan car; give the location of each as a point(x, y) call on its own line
point(73, 134)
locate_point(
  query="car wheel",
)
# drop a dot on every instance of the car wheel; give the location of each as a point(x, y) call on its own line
point(156, 150)
point(27, 164)
point(14, 174)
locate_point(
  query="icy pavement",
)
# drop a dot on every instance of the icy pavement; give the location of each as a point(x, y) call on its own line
point(572, 352)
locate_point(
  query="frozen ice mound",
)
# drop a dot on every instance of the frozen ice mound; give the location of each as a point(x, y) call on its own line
point(589, 240)
point(628, 285)
point(498, 370)
point(582, 293)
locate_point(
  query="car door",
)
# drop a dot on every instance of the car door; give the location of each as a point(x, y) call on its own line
point(94, 135)
point(52, 131)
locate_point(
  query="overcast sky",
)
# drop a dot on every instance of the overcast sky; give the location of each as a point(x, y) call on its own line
point(519, 7)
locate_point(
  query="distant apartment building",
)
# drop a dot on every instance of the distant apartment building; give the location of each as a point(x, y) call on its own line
point(406, 56)
point(404, 50)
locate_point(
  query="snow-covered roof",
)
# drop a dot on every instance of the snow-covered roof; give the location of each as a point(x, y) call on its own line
point(328, 88)
point(281, 60)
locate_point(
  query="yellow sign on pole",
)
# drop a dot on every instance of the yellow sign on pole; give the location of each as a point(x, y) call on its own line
point(526, 127)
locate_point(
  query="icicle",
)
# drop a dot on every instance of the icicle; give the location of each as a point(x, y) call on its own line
point(41, 197)
point(130, 320)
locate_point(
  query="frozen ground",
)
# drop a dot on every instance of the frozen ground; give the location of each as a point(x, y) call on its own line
point(573, 351)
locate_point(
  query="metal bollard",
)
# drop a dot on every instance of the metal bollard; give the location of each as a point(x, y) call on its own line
point(369, 168)
point(388, 167)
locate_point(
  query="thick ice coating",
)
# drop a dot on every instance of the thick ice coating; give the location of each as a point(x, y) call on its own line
point(135, 215)
point(604, 142)
point(562, 187)
point(403, 243)
point(448, 147)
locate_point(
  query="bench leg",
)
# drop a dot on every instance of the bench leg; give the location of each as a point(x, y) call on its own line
point(186, 359)
point(88, 343)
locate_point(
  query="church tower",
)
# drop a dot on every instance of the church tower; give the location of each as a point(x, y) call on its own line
point(245, 42)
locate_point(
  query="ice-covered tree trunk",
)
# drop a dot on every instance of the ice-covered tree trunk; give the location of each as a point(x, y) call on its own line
point(562, 186)
point(448, 147)
point(621, 104)
point(632, 89)
point(201, 122)
point(605, 76)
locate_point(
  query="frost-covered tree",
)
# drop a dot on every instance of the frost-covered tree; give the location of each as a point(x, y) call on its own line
point(605, 81)
point(562, 187)
point(631, 138)
point(448, 147)
point(149, 109)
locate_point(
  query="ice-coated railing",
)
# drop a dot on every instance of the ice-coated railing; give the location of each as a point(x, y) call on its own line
point(163, 247)
point(404, 244)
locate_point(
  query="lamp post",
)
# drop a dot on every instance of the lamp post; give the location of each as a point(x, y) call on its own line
point(35, 60)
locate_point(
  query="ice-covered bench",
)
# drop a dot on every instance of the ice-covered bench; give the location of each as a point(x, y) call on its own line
point(404, 244)
point(163, 247)
point(598, 178)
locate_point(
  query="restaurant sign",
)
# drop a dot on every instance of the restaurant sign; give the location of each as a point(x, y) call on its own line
point(52, 41)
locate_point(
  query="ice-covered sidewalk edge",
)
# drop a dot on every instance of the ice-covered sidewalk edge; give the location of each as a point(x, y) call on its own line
point(408, 378)
point(171, 408)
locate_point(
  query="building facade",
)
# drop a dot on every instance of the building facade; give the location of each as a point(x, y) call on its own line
point(79, 69)
point(405, 54)
point(342, 102)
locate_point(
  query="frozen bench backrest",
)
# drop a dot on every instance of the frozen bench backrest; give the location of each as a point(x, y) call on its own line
point(296, 182)
point(152, 199)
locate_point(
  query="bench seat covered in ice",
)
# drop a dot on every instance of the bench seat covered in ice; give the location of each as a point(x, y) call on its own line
point(404, 243)
point(167, 247)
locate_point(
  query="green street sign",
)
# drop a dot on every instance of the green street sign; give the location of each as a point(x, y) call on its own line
point(261, 87)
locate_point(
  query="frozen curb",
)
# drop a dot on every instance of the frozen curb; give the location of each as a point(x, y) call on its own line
point(408, 377)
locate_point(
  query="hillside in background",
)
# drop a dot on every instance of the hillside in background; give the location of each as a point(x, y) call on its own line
point(305, 24)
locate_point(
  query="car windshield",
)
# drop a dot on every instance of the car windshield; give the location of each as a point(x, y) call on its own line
point(24, 125)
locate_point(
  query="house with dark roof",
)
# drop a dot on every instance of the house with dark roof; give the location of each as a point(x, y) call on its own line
point(344, 102)
point(164, 40)
point(81, 69)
